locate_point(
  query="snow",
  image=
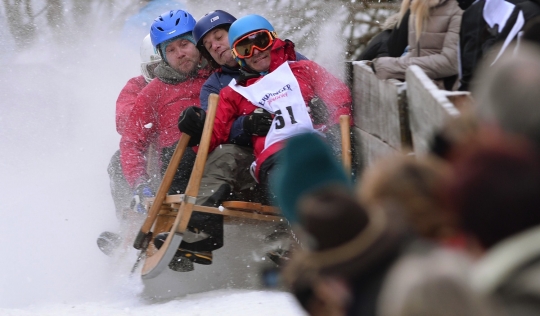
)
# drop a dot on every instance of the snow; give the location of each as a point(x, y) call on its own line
point(233, 302)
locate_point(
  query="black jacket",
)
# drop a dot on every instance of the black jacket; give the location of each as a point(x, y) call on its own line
point(477, 38)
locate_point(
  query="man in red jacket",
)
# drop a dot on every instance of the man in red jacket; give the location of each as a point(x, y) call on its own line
point(280, 87)
point(120, 189)
point(272, 80)
point(154, 118)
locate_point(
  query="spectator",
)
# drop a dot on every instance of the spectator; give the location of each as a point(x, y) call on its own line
point(509, 93)
point(416, 186)
point(486, 23)
point(346, 248)
point(436, 283)
point(378, 46)
point(495, 193)
point(433, 43)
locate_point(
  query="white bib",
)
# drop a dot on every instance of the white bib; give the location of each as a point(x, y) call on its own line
point(279, 93)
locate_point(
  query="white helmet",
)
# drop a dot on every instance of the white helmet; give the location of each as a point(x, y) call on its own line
point(149, 59)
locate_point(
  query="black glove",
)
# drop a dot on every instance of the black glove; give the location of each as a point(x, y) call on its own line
point(258, 123)
point(191, 122)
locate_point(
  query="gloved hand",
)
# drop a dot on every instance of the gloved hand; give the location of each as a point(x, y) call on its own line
point(258, 123)
point(141, 192)
point(191, 122)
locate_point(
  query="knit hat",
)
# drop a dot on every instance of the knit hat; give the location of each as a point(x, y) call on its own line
point(307, 164)
point(330, 209)
point(163, 46)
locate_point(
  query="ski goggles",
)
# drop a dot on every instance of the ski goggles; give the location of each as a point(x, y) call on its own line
point(261, 40)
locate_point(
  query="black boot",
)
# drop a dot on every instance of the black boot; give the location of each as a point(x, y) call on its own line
point(200, 257)
point(223, 193)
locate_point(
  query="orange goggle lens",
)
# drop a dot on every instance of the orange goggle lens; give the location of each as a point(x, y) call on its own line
point(243, 48)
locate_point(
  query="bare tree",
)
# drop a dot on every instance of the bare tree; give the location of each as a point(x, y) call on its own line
point(301, 20)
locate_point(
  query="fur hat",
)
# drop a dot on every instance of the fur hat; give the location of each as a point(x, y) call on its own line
point(347, 241)
point(307, 164)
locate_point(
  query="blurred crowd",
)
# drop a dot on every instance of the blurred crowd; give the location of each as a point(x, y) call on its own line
point(453, 232)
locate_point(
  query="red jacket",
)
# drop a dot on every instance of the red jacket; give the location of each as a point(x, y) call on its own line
point(154, 118)
point(126, 101)
point(314, 81)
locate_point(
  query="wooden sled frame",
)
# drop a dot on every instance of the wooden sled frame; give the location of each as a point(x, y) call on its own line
point(179, 207)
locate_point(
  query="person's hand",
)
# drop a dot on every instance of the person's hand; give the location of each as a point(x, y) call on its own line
point(191, 122)
point(141, 192)
point(258, 123)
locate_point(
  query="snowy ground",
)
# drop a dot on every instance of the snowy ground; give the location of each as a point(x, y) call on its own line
point(57, 135)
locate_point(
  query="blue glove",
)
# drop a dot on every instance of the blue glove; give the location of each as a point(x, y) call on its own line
point(141, 192)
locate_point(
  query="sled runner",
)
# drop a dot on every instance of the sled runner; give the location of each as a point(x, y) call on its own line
point(171, 213)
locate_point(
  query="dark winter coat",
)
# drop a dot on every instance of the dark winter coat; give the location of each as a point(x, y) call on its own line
point(155, 116)
point(378, 46)
point(126, 101)
point(399, 38)
point(477, 39)
point(509, 274)
point(314, 81)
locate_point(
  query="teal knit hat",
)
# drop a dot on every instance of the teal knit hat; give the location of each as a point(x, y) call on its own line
point(307, 164)
point(163, 46)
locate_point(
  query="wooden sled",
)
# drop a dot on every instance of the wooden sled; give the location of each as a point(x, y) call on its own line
point(171, 213)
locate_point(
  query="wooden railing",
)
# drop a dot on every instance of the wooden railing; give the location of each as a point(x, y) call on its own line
point(393, 116)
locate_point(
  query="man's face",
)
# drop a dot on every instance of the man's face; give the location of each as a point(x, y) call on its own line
point(216, 43)
point(182, 56)
point(260, 60)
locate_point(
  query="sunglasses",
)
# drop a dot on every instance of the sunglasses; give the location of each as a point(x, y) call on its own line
point(261, 39)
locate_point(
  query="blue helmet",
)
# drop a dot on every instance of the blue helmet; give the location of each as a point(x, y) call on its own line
point(210, 21)
point(247, 24)
point(169, 25)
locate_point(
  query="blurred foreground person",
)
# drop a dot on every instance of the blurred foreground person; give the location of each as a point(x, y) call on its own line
point(346, 250)
point(495, 192)
point(508, 92)
point(415, 184)
point(353, 260)
point(437, 283)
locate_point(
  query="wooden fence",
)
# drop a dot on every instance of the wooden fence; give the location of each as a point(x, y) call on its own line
point(392, 116)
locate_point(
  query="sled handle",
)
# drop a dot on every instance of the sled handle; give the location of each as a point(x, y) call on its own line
point(192, 189)
point(158, 262)
point(345, 128)
point(142, 236)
